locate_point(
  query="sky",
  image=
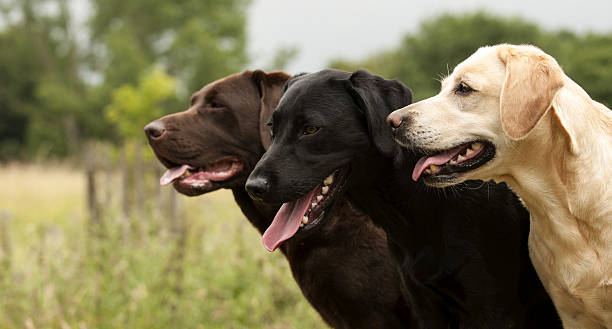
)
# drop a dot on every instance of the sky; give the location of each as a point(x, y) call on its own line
point(352, 29)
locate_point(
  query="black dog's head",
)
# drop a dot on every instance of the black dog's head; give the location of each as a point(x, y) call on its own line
point(219, 139)
point(323, 122)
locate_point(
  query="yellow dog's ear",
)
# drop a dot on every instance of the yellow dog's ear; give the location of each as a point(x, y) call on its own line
point(532, 80)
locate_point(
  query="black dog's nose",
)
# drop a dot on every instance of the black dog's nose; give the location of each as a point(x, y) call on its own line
point(257, 187)
point(394, 120)
point(154, 129)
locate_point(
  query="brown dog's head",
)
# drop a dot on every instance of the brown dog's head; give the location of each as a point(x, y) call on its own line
point(485, 110)
point(219, 139)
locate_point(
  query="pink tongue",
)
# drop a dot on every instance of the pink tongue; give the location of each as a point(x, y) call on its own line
point(172, 174)
point(438, 159)
point(286, 222)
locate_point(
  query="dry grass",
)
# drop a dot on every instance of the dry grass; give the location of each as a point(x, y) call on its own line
point(212, 273)
point(35, 193)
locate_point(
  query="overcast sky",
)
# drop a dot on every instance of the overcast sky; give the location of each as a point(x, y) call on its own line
point(327, 29)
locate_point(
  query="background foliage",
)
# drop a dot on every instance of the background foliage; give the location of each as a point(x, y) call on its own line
point(95, 243)
point(58, 77)
point(440, 43)
point(203, 268)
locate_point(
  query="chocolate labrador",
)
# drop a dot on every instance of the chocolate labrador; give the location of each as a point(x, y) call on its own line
point(343, 268)
point(462, 253)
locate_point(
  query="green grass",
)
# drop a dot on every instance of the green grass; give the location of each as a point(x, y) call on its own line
point(206, 270)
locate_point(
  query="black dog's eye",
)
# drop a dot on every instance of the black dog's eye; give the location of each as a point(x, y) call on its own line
point(463, 89)
point(309, 130)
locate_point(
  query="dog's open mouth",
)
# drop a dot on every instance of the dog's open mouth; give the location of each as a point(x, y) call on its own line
point(202, 179)
point(444, 165)
point(304, 213)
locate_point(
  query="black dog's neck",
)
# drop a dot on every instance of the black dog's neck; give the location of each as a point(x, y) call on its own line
point(258, 213)
point(381, 186)
point(261, 214)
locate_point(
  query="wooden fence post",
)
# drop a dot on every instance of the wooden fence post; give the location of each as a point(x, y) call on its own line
point(126, 206)
point(5, 245)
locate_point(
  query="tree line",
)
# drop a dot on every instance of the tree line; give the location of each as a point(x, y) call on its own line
point(424, 57)
point(62, 84)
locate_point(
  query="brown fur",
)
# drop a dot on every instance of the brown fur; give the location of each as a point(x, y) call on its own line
point(344, 269)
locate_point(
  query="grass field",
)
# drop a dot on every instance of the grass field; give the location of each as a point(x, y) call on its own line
point(58, 270)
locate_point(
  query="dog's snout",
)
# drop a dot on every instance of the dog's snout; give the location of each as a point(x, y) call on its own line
point(155, 129)
point(399, 118)
point(394, 120)
point(257, 187)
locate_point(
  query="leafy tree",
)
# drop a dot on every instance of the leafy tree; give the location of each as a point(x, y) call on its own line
point(40, 65)
point(197, 41)
point(54, 90)
point(589, 63)
point(440, 43)
point(132, 107)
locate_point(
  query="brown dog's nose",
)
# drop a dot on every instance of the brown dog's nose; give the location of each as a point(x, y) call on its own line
point(154, 129)
point(394, 119)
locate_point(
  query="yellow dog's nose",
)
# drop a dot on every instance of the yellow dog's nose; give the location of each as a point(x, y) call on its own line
point(394, 120)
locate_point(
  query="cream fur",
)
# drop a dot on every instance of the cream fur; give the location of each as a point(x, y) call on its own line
point(561, 167)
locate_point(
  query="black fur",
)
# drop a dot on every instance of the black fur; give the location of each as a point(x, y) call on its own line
point(462, 252)
point(335, 267)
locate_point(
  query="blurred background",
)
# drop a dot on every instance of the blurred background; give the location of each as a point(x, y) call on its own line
point(88, 239)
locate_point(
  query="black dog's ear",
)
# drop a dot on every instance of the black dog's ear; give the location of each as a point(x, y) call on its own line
point(270, 86)
point(292, 80)
point(377, 97)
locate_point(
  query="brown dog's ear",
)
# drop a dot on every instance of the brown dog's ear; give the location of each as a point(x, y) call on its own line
point(532, 81)
point(270, 87)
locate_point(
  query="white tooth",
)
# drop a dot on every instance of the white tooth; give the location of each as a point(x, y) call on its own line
point(305, 220)
point(314, 204)
point(468, 152)
point(460, 158)
point(476, 146)
point(324, 189)
point(329, 179)
point(301, 224)
point(427, 171)
point(319, 198)
point(452, 162)
point(433, 167)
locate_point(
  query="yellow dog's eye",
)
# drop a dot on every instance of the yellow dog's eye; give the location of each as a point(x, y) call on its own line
point(309, 130)
point(463, 89)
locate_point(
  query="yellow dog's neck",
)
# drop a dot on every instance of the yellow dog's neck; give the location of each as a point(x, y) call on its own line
point(565, 178)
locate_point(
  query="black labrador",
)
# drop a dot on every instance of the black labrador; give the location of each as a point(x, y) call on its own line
point(462, 253)
point(216, 143)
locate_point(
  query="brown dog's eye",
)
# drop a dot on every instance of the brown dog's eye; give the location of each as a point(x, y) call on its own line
point(309, 130)
point(270, 125)
point(463, 89)
point(213, 104)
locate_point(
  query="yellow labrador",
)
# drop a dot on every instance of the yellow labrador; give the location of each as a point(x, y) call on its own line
point(509, 113)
